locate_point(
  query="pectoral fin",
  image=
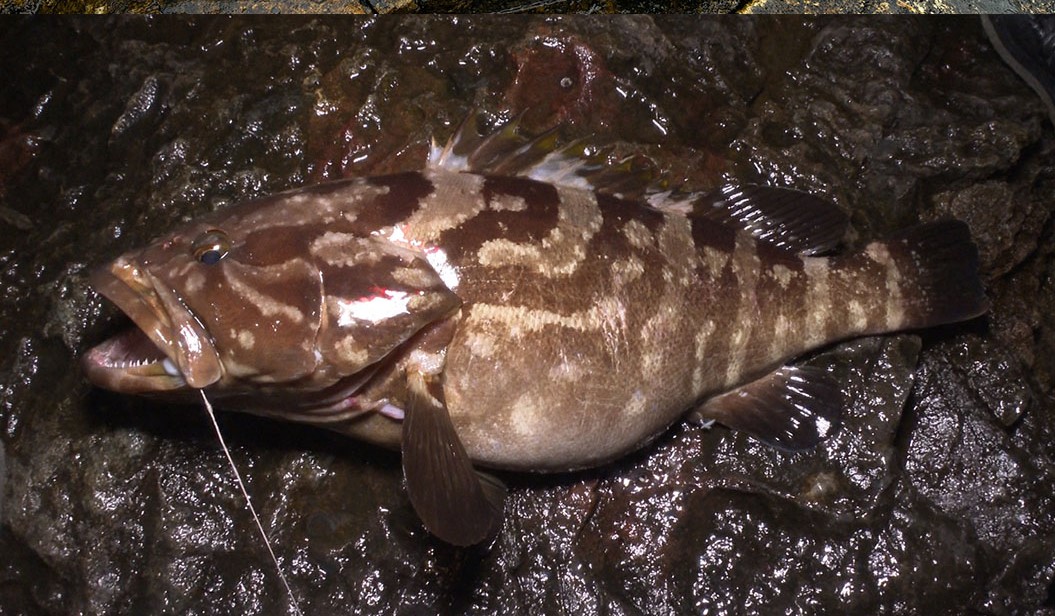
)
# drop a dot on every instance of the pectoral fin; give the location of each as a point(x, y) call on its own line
point(793, 408)
point(455, 503)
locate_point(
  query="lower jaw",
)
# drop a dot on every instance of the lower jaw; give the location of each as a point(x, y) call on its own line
point(131, 363)
point(147, 379)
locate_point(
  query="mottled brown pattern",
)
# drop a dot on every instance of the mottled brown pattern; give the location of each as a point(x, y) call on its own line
point(290, 292)
point(277, 245)
point(782, 308)
point(517, 285)
point(403, 196)
point(528, 225)
point(580, 325)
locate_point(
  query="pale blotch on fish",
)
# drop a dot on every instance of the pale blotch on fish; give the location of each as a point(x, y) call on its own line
point(411, 277)
point(266, 304)
point(349, 350)
point(654, 333)
point(817, 319)
point(235, 369)
point(715, 261)
point(701, 344)
point(456, 199)
point(528, 417)
point(567, 370)
point(195, 282)
point(426, 362)
point(782, 275)
point(895, 312)
point(638, 235)
point(344, 250)
point(519, 322)
point(509, 203)
point(626, 271)
point(245, 339)
point(481, 344)
point(561, 251)
point(637, 404)
point(781, 329)
point(857, 314)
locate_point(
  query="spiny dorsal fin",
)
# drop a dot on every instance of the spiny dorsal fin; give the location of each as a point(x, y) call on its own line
point(505, 150)
point(453, 501)
point(792, 408)
point(789, 219)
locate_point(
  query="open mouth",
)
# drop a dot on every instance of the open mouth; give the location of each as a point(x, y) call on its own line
point(130, 358)
point(167, 349)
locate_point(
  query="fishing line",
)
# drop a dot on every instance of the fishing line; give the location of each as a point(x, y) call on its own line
point(252, 510)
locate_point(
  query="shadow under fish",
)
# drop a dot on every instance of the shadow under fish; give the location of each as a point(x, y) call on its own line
point(516, 306)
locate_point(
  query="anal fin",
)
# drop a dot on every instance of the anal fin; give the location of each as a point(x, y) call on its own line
point(792, 408)
point(455, 503)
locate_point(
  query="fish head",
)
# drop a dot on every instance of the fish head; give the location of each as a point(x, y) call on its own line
point(290, 293)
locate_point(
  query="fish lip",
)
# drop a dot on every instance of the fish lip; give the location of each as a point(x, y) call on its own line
point(162, 319)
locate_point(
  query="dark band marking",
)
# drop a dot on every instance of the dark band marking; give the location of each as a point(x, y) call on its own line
point(405, 194)
point(531, 224)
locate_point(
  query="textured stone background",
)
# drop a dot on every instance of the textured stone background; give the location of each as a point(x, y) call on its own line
point(935, 497)
point(530, 6)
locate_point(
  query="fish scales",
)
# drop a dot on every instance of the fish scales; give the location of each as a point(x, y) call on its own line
point(522, 282)
point(515, 323)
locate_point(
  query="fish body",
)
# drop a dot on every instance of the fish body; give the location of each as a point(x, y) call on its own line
point(515, 323)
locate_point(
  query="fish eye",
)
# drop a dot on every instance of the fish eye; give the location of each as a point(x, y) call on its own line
point(211, 246)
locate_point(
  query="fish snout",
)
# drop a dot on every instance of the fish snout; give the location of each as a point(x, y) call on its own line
point(167, 349)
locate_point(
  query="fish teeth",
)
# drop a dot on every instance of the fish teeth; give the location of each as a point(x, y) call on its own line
point(129, 363)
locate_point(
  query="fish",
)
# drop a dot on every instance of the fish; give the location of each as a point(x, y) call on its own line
point(511, 307)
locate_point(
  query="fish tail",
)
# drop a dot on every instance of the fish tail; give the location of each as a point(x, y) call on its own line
point(925, 276)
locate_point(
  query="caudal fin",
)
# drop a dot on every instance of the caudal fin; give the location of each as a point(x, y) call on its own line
point(940, 263)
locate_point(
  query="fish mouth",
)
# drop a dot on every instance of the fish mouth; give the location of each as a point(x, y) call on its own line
point(167, 349)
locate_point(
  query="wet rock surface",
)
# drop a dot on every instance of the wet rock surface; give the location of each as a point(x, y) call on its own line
point(936, 496)
point(528, 6)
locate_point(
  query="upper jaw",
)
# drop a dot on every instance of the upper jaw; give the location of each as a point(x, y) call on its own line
point(184, 354)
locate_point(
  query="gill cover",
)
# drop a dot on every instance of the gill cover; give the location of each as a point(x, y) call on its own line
point(376, 295)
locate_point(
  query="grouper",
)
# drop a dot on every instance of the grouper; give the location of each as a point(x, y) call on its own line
point(496, 310)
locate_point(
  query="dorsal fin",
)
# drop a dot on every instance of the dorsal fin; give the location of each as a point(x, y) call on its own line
point(506, 150)
point(789, 219)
